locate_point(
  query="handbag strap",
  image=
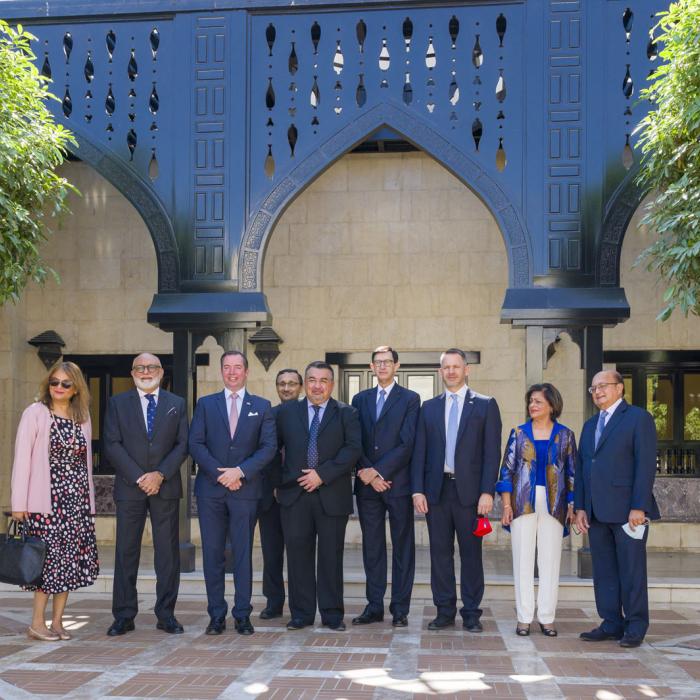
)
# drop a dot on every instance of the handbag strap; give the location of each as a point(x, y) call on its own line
point(12, 530)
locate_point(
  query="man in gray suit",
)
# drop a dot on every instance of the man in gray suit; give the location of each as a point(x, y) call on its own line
point(145, 440)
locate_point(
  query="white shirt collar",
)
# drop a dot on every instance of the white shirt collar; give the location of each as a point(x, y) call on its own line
point(239, 394)
point(611, 409)
point(387, 389)
point(461, 393)
point(142, 394)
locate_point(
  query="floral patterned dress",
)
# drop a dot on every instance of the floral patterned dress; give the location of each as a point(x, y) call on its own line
point(69, 532)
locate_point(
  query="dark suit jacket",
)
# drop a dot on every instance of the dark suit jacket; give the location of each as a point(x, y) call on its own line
point(387, 443)
point(339, 448)
point(619, 475)
point(477, 455)
point(127, 448)
point(252, 447)
point(270, 474)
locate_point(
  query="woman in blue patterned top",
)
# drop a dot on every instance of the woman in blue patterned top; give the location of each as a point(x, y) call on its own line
point(536, 483)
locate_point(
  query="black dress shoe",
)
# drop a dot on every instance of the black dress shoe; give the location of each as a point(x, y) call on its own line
point(170, 625)
point(400, 621)
point(599, 635)
point(296, 623)
point(243, 626)
point(473, 626)
point(215, 626)
point(440, 622)
point(270, 614)
point(630, 642)
point(120, 626)
point(336, 626)
point(368, 617)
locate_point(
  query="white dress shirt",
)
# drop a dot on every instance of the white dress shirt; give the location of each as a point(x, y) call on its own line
point(611, 410)
point(144, 403)
point(386, 389)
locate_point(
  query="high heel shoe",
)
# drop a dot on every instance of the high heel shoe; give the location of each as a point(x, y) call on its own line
point(39, 636)
point(62, 634)
point(548, 631)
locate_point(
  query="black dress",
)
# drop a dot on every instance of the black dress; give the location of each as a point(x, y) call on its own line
point(69, 532)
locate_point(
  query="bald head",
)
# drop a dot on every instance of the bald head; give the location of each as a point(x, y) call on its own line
point(606, 388)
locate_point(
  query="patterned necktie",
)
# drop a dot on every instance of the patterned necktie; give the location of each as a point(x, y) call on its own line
point(312, 453)
point(380, 403)
point(452, 426)
point(150, 414)
point(233, 415)
point(600, 427)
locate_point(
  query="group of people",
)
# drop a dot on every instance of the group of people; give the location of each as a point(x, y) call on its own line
point(290, 468)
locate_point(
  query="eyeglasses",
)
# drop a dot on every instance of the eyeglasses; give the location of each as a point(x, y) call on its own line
point(600, 387)
point(383, 363)
point(65, 383)
point(142, 369)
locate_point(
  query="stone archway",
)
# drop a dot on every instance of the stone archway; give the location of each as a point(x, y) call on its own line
point(262, 223)
point(144, 200)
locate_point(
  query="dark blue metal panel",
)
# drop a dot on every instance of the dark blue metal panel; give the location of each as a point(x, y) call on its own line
point(211, 120)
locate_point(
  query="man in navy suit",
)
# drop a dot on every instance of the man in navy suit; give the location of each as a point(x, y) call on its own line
point(454, 470)
point(322, 443)
point(289, 385)
point(145, 441)
point(388, 415)
point(232, 439)
point(613, 498)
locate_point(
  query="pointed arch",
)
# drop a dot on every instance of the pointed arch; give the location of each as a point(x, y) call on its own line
point(144, 200)
point(618, 214)
point(469, 172)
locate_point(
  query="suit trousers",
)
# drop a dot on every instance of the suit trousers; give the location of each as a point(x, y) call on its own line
point(445, 519)
point(372, 511)
point(538, 530)
point(305, 522)
point(131, 519)
point(272, 544)
point(619, 578)
point(217, 518)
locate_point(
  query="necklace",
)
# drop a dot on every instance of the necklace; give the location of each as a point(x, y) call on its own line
point(72, 443)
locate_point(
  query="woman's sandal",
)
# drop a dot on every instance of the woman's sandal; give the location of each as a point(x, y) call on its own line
point(41, 637)
point(548, 631)
point(63, 635)
point(522, 630)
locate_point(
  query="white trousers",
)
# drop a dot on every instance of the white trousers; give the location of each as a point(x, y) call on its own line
point(541, 529)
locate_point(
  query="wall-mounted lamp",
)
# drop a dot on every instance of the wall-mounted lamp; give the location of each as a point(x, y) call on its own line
point(49, 346)
point(266, 343)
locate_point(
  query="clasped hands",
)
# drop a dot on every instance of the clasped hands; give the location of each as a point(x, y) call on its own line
point(150, 483)
point(309, 480)
point(231, 478)
point(369, 476)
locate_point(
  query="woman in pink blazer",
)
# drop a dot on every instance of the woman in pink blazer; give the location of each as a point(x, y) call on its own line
point(53, 494)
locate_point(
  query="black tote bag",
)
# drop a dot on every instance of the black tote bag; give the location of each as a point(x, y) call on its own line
point(21, 558)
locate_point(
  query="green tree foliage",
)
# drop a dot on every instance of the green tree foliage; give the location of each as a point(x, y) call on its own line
point(32, 146)
point(670, 139)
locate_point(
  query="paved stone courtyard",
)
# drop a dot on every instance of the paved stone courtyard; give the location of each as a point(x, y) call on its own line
point(366, 663)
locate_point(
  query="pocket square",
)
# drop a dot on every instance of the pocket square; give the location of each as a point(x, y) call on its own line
point(172, 410)
point(251, 413)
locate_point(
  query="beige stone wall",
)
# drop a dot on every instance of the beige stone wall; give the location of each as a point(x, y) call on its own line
point(645, 295)
point(105, 258)
point(392, 249)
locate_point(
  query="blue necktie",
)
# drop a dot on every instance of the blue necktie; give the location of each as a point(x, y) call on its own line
point(452, 427)
point(600, 427)
point(380, 403)
point(312, 453)
point(150, 414)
